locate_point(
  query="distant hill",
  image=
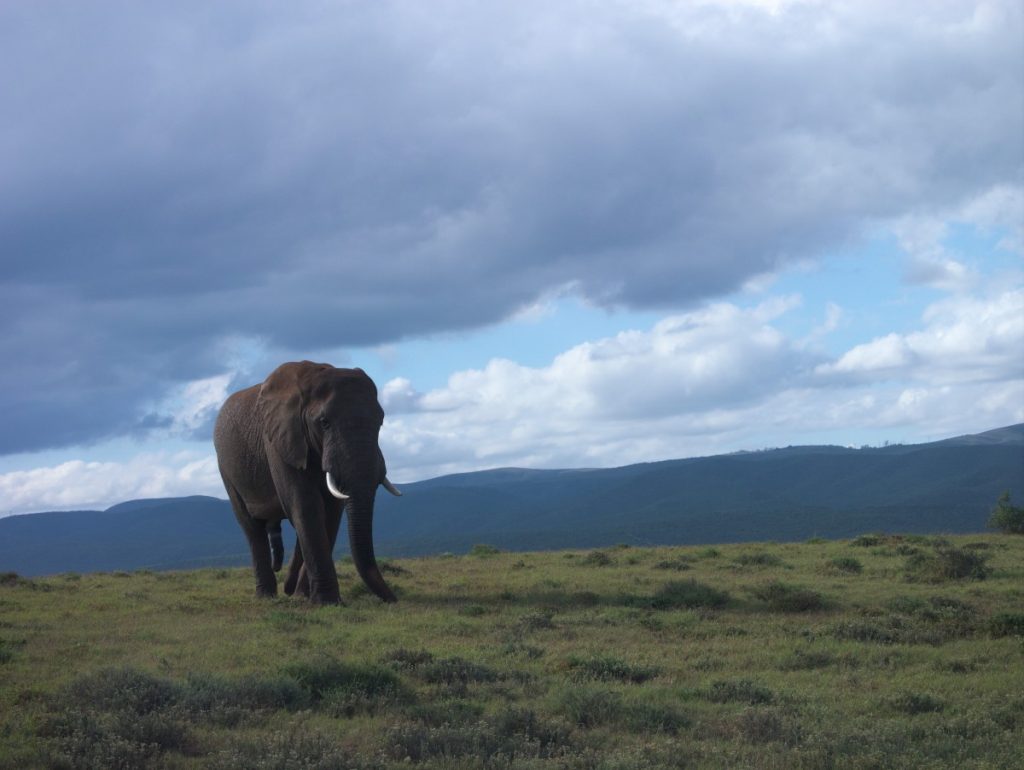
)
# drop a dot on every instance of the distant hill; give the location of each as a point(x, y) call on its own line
point(780, 494)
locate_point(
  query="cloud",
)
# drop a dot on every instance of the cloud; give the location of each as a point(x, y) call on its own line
point(721, 378)
point(964, 339)
point(636, 395)
point(718, 379)
point(97, 485)
point(318, 176)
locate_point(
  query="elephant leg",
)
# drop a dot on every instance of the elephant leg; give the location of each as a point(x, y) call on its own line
point(298, 577)
point(309, 517)
point(259, 544)
point(297, 580)
point(276, 544)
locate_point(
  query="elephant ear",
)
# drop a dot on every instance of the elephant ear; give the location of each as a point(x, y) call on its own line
point(283, 396)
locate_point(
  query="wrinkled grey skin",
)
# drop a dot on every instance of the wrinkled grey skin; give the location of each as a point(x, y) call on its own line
point(274, 443)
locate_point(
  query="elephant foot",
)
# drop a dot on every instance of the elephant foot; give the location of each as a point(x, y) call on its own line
point(334, 599)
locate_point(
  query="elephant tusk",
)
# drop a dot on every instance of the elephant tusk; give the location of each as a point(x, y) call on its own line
point(391, 487)
point(334, 490)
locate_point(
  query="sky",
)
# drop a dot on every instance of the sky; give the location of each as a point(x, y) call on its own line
point(574, 234)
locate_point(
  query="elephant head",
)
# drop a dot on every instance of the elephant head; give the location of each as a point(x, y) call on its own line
point(322, 424)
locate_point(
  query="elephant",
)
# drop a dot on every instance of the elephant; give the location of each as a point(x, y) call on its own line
point(303, 445)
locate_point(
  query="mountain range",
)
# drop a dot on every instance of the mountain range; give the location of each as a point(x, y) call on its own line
point(791, 493)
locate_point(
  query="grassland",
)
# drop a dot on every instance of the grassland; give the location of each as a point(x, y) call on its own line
point(874, 653)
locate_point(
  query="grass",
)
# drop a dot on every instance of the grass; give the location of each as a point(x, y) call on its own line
point(884, 651)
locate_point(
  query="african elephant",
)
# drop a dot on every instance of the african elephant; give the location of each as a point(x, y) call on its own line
point(303, 445)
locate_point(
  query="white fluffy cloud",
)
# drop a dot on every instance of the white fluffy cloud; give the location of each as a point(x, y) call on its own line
point(963, 339)
point(718, 379)
point(86, 485)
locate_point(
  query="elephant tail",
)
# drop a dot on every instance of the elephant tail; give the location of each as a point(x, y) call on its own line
point(276, 544)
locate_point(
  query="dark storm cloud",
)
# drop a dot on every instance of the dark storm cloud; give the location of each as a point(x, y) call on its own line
point(332, 175)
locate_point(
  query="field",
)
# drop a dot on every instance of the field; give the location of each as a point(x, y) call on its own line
point(884, 651)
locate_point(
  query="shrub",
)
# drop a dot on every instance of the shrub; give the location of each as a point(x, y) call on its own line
point(348, 688)
point(760, 559)
point(456, 672)
point(646, 717)
point(947, 563)
point(1007, 518)
point(868, 541)
point(678, 565)
point(916, 703)
point(847, 564)
point(1007, 624)
point(121, 689)
point(807, 661)
point(589, 708)
point(482, 550)
point(597, 559)
point(87, 739)
point(782, 597)
point(608, 668)
point(859, 631)
point(230, 701)
point(687, 594)
point(115, 717)
point(512, 735)
point(295, 748)
point(534, 621)
point(403, 659)
point(767, 725)
point(738, 691)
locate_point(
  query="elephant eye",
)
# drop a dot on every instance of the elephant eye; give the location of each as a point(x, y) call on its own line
point(324, 422)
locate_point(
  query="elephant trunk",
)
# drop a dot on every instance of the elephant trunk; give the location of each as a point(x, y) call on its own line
point(360, 536)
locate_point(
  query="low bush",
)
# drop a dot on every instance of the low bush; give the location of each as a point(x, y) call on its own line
point(345, 689)
point(597, 559)
point(115, 717)
point(685, 594)
point(588, 707)
point(607, 668)
point(679, 565)
point(455, 670)
point(286, 749)
point(869, 541)
point(808, 660)
point(646, 717)
point(403, 659)
point(534, 621)
point(483, 550)
point(121, 689)
point(760, 559)
point(84, 738)
point(738, 691)
point(229, 702)
point(916, 703)
point(946, 563)
point(767, 725)
point(1006, 624)
point(511, 736)
point(782, 597)
point(846, 564)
